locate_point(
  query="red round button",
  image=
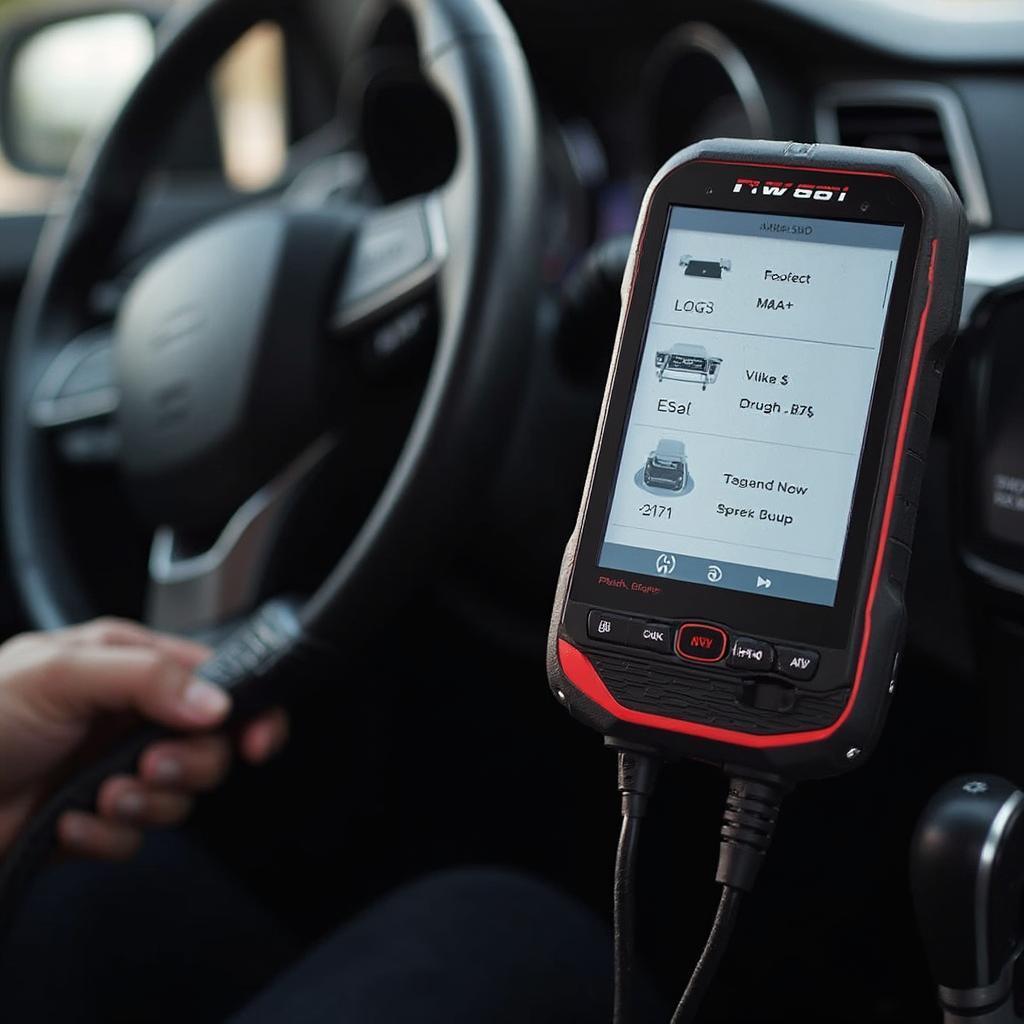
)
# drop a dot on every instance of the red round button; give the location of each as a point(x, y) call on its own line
point(697, 641)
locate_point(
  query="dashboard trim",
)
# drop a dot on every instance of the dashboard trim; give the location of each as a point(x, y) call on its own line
point(975, 32)
point(995, 259)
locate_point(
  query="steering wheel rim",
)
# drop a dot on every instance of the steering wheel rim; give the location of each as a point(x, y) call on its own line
point(491, 210)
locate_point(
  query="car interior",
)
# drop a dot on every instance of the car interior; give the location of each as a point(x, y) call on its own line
point(305, 338)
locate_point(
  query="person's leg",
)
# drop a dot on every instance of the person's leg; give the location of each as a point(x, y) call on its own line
point(167, 938)
point(465, 947)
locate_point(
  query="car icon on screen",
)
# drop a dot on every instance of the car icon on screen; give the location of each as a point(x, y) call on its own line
point(666, 466)
point(690, 363)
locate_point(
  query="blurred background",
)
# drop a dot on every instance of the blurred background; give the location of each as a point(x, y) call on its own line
point(72, 77)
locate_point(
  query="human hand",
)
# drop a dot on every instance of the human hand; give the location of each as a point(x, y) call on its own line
point(62, 691)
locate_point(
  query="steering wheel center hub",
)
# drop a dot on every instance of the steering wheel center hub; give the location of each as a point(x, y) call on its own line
point(219, 348)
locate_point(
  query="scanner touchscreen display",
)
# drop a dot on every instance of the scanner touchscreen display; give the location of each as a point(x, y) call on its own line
point(750, 406)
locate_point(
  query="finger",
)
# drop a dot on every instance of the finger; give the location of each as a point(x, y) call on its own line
point(195, 764)
point(125, 800)
point(113, 632)
point(264, 737)
point(89, 836)
point(85, 680)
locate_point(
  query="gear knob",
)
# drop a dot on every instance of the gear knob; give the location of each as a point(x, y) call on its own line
point(966, 874)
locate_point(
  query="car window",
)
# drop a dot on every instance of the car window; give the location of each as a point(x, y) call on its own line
point(251, 103)
point(250, 100)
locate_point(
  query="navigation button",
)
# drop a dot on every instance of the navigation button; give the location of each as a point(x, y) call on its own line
point(665, 564)
point(751, 654)
point(613, 629)
point(652, 636)
point(701, 642)
point(796, 663)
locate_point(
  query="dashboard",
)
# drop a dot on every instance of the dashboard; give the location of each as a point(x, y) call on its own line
point(626, 85)
point(630, 86)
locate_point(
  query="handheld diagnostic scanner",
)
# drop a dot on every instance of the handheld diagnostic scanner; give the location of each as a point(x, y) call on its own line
point(733, 590)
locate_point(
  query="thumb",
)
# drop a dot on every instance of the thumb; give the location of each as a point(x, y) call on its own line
point(87, 680)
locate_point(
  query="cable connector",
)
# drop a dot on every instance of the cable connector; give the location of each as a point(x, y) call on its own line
point(638, 773)
point(748, 824)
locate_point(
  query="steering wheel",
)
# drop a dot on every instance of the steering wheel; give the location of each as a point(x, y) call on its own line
point(221, 370)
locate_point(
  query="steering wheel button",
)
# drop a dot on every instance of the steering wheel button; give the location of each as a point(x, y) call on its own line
point(697, 641)
point(750, 654)
point(797, 663)
point(652, 636)
point(391, 245)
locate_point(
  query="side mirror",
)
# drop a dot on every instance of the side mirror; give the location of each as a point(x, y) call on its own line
point(65, 76)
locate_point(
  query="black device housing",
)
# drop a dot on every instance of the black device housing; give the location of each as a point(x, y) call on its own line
point(757, 719)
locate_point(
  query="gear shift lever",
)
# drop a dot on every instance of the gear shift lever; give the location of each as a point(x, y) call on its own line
point(966, 873)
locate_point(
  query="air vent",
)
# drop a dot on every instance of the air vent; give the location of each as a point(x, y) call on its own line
point(920, 118)
point(915, 129)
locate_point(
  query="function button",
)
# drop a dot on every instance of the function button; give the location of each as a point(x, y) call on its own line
point(614, 629)
point(750, 654)
point(696, 641)
point(796, 663)
point(652, 636)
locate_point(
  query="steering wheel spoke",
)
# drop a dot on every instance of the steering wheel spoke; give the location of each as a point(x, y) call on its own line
point(192, 591)
point(77, 397)
point(394, 263)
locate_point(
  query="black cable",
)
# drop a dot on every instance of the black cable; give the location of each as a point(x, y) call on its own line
point(751, 810)
point(624, 903)
point(711, 957)
point(637, 775)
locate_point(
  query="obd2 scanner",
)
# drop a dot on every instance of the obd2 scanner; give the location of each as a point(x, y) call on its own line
point(753, 616)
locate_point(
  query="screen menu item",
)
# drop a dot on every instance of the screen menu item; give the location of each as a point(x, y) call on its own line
point(750, 409)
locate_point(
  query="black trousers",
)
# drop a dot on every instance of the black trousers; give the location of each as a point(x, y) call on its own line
point(172, 938)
